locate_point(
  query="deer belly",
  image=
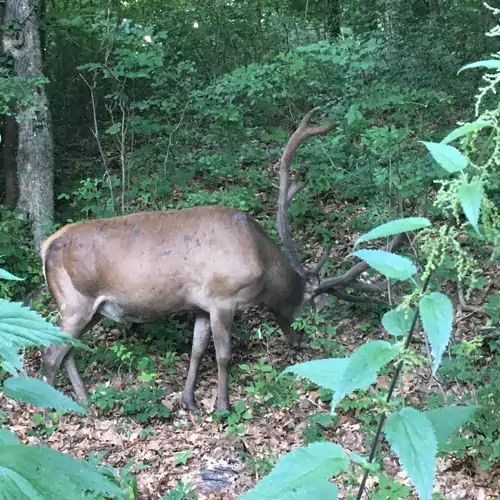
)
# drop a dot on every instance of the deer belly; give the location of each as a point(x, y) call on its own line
point(123, 312)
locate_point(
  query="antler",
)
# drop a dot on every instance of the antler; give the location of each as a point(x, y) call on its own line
point(334, 286)
point(287, 192)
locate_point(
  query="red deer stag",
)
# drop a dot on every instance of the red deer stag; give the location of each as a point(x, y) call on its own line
point(212, 260)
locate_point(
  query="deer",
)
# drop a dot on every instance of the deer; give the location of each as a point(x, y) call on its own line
point(211, 260)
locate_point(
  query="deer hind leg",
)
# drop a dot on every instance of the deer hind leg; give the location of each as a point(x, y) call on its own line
point(75, 321)
point(221, 321)
point(201, 337)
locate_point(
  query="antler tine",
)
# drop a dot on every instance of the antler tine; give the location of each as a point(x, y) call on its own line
point(302, 133)
point(323, 260)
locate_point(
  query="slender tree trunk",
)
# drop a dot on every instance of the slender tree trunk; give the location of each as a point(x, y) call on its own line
point(8, 142)
point(35, 157)
point(332, 18)
point(392, 26)
point(8, 161)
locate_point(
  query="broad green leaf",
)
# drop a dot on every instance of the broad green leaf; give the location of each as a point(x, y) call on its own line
point(10, 360)
point(8, 437)
point(319, 491)
point(40, 393)
point(394, 227)
point(8, 276)
point(471, 197)
point(398, 321)
point(301, 468)
point(488, 64)
point(436, 313)
point(411, 436)
point(22, 327)
point(39, 473)
point(364, 364)
point(464, 130)
point(387, 263)
point(323, 372)
point(448, 419)
point(448, 157)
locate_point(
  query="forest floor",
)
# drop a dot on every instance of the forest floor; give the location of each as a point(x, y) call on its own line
point(224, 464)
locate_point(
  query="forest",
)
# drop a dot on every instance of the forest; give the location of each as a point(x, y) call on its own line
point(345, 153)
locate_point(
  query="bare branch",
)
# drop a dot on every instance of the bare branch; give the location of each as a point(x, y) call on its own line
point(302, 133)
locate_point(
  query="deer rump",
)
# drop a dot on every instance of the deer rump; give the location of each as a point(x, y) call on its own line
point(139, 267)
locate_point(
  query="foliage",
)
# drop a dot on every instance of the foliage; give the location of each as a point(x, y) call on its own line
point(17, 92)
point(481, 435)
point(267, 384)
point(412, 434)
point(37, 471)
point(143, 403)
point(165, 106)
point(236, 417)
point(180, 492)
point(17, 254)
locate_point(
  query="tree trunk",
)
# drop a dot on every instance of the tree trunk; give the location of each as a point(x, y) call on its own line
point(35, 156)
point(8, 161)
point(392, 25)
point(332, 19)
point(8, 143)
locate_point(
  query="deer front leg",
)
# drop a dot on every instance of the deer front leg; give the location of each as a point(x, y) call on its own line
point(201, 337)
point(221, 321)
point(293, 337)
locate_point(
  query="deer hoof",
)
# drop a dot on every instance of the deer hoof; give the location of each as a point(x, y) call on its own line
point(188, 403)
point(295, 339)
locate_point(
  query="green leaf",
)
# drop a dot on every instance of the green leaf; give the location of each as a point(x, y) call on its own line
point(488, 64)
point(436, 312)
point(449, 418)
point(8, 276)
point(353, 114)
point(181, 457)
point(363, 366)
point(394, 227)
point(398, 321)
point(322, 372)
point(306, 467)
point(114, 129)
point(411, 436)
point(464, 130)
point(23, 327)
point(39, 473)
point(40, 393)
point(448, 157)
point(387, 263)
point(471, 197)
point(318, 491)
point(10, 360)
point(8, 437)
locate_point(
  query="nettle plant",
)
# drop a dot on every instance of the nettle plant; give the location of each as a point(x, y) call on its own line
point(38, 471)
point(413, 435)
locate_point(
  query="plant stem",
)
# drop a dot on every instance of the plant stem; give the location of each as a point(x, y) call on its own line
point(392, 387)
